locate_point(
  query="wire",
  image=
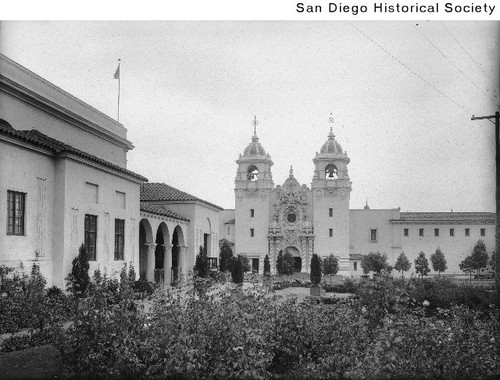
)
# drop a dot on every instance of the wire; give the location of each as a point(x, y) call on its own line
point(456, 67)
point(410, 70)
point(470, 56)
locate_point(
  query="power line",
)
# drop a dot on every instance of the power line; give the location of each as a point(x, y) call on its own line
point(410, 70)
point(469, 55)
point(455, 66)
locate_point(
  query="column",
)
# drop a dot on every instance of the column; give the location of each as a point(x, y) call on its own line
point(183, 262)
point(150, 266)
point(167, 265)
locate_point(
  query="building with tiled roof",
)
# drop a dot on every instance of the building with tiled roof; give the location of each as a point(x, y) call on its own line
point(303, 220)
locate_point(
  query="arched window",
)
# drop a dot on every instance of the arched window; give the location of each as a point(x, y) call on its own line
point(252, 173)
point(331, 172)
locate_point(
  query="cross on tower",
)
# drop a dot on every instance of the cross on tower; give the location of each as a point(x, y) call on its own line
point(330, 119)
point(254, 123)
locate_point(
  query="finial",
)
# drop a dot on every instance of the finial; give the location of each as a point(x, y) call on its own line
point(254, 123)
point(331, 119)
point(291, 171)
point(366, 205)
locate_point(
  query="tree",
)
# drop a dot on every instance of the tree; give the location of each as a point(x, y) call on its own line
point(315, 269)
point(479, 256)
point(225, 256)
point(237, 270)
point(402, 264)
point(78, 280)
point(279, 263)
point(267, 266)
point(438, 261)
point(374, 261)
point(422, 265)
point(288, 263)
point(467, 266)
point(244, 262)
point(330, 266)
point(201, 264)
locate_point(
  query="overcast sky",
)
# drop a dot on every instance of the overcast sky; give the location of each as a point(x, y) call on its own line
point(402, 95)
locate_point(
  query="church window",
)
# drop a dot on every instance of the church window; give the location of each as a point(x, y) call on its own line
point(15, 212)
point(252, 232)
point(420, 232)
point(452, 232)
point(331, 172)
point(291, 218)
point(373, 235)
point(406, 232)
point(467, 232)
point(330, 232)
point(252, 173)
point(436, 231)
point(483, 231)
point(90, 236)
point(119, 239)
point(252, 213)
point(355, 265)
point(330, 212)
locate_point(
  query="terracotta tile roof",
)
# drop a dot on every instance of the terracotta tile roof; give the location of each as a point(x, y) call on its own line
point(164, 192)
point(446, 218)
point(161, 210)
point(36, 138)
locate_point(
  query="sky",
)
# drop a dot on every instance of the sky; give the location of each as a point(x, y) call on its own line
point(401, 94)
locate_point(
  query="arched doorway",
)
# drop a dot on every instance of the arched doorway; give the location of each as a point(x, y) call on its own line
point(162, 238)
point(145, 238)
point(178, 261)
point(297, 260)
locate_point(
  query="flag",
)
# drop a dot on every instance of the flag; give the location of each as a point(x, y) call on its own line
point(117, 73)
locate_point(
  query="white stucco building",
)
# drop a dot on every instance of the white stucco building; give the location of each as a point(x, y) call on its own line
point(304, 219)
point(64, 182)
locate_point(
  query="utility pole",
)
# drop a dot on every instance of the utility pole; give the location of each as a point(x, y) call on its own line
point(496, 116)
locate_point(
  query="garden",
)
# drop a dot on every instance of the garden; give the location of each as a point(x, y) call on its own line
point(213, 326)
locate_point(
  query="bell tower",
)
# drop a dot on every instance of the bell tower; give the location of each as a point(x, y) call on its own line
point(331, 187)
point(253, 187)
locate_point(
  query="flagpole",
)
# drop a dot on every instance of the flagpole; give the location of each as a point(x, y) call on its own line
point(119, 79)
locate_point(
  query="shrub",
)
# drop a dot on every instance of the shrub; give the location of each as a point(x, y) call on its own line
point(201, 264)
point(315, 269)
point(288, 264)
point(267, 266)
point(78, 280)
point(279, 263)
point(225, 256)
point(237, 271)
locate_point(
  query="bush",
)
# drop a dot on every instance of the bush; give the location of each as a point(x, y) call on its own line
point(78, 280)
point(315, 269)
point(254, 336)
point(237, 270)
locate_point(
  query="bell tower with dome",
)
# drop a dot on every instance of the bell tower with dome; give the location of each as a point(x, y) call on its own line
point(253, 187)
point(331, 187)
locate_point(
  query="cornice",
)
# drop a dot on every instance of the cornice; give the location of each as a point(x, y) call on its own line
point(28, 96)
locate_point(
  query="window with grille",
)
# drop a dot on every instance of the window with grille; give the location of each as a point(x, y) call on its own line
point(483, 231)
point(436, 231)
point(373, 235)
point(420, 232)
point(330, 212)
point(119, 239)
point(406, 232)
point(330, 232)
point(252, 232)
point(16, 203)
point(467, 232)
point(452, 232)
point(91, 236)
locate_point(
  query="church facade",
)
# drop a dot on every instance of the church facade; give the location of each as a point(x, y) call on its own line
point(302, 220)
